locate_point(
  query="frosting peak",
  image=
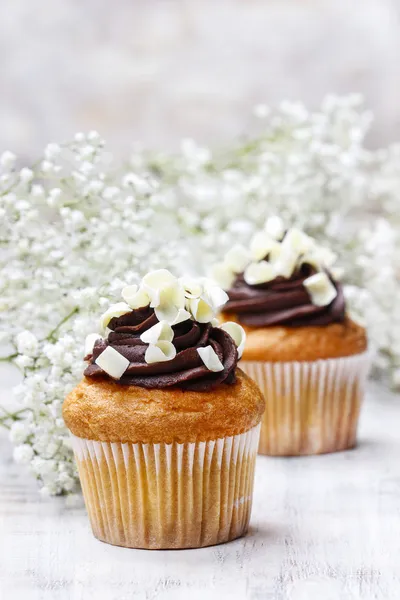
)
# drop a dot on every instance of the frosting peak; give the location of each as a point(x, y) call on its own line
point(285, 279)
point(172, 341)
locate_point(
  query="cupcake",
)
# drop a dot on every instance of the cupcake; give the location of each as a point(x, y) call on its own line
point(165, 427)
point(304, 351)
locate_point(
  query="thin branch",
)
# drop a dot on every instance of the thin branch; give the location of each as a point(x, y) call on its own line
point(52, 333)
point(9, 357)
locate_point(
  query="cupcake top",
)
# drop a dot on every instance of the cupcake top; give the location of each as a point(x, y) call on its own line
point(164, 335)
point(284, 278)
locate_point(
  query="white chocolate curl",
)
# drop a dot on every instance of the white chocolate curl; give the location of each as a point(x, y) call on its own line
point(298, 241)
point(222, 275)
point(162, 331)
point(261, 245)
point(112, 362)
point(160, 352)
point(237, 258)
point(135, 296)
point(192, 287)
point(116, 310)
point(284, 262)
point(90, 342)
point(320, 289)
point(237, 333)
point(260, 272)
point(210, 359)
point(217, 297)
point(201, 309)
point(275, 227)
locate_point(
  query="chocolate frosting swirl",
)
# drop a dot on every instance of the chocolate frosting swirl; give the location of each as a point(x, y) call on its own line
point(185, 371)
point(282, 302)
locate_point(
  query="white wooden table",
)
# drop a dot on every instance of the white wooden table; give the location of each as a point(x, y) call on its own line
point(323, 528)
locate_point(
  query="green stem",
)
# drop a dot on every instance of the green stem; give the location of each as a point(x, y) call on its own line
point(9, 357)
point(11, 416)
point(52, 333)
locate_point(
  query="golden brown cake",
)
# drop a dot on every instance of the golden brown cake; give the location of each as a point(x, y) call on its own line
point(307, 355)
point(165, 426)
point(282, 344)
point(107, 412)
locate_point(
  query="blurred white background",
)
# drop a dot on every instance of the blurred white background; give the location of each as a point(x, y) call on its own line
point(158, 70)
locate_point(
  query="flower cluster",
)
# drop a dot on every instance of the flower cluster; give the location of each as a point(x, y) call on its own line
point(77, 224)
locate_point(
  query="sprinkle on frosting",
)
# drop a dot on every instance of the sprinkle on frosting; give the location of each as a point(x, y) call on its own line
point(166, 334)
point(286, 278)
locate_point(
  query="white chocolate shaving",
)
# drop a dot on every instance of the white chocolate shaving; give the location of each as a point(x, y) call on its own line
point(160, 352)
point(201, 310)
point(192, 287)
point(135, 296)
point(261, 245)
point(298, 241)
point(327, 257)
point(158, 279)
point(116, 310)
point(311, 259)
point(182, 315)
point(217, 296)
point(222, 275)
point(112, 362)
point(259, 272)
point(320, 289)
point(210, 359)
point(90, 341)
point(237, 258)
point(162, 331)
point(238, 335)
point(163, 288)
point(337, 273)
point(284, 262)
point(275, 227)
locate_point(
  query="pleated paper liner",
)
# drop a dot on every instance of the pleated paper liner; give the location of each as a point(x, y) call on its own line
point(168, 495)
point(311, 407)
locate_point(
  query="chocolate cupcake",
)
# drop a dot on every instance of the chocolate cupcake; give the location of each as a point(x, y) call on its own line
point(165, 426)
point(305, 352)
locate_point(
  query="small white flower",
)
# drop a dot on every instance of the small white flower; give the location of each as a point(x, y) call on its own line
point(46, 166)
point(23, 454)
point(52, 151)
point(26, 175)
point(27, 343)
point(19, 432)
point(7, 159)
point(261, 111)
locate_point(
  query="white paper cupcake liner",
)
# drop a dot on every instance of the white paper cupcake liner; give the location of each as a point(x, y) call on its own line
point(168, 495)
point(311, 407)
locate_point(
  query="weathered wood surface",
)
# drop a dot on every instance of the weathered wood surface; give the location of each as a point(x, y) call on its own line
point(323, 528)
